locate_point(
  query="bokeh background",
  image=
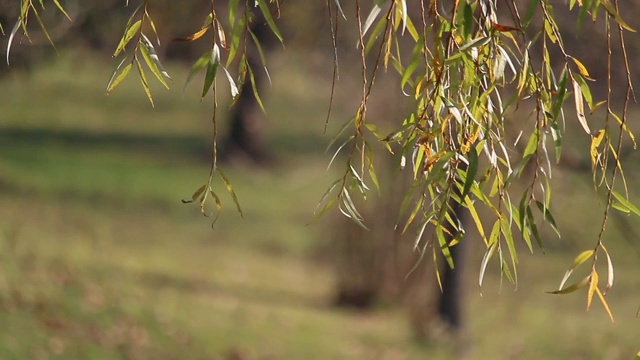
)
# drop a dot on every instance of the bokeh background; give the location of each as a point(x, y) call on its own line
point(100, 260)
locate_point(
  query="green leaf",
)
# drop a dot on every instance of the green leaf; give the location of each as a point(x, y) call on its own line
point(480, 41)
point(128, 35)
point(625, 204)
point(534, 229)
point(569, 289)
point(143, 80)
point(62, 10)
point(264, 7)
point(611, 9)
point(196, 194)
point(472, 170)
point(579, 260)
point(115, 80)
point(547, 216)
point(200, 64)
point(212, 69)
point(153, 62)
point(227, 184)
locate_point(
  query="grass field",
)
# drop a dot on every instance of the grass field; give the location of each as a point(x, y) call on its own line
point(100, 260)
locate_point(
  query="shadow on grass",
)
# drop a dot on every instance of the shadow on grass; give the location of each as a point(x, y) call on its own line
point(192, 147)
point(196, 148)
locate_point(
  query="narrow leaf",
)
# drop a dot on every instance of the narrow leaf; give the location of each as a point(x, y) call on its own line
point(472, 169)
point(569, 289)
point(153, 62)
point(128, 35)
point(264, 7)
point(62, 10)
point(579, 101)
point(195, 36)
point(606, 306)
point(609, 271)
point(145, 84)
point(11, 36)
point(118, 79)
point(212, 69)
point(200, 64)
point(593, 284)
point(232, 84)
point(626, 203)
point(579, 260)
point(195, 195)
point(227, 184)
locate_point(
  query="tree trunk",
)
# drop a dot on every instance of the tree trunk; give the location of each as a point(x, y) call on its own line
point(245, 138)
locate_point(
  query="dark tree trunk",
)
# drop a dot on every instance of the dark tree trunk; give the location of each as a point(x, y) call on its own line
point(245, 139)
point(451, 298)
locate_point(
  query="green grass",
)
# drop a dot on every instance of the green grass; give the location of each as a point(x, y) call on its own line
point(100, 260)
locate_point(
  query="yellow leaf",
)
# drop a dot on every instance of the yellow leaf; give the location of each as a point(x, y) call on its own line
point(128, 35)
point(581, 68)
point(595, 143)
point(118, 79)
point(606, 306)
point(195, 36)
point(577, 97)
point(593, 284)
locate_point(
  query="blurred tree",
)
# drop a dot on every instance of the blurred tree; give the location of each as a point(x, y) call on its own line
point(467, 65)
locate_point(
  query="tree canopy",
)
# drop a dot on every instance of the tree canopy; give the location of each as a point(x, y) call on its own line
point(466, 66)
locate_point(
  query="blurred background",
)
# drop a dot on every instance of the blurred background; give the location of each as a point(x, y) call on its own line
point(100, 260)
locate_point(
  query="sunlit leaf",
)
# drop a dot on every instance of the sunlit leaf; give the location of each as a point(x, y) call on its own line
point(579, 260)
point(229, 188)
point(264, 7)
point(153, 62)
point(212, 69)
point(200, 64)
point(11, 37)
point(611, 9)
point(195, 36)
point(128, 35)
point(115, 80)
point(593, 285)
point(581, 67)
point(485, 260)
point(605, 304)
point(196, 194)
point(625, 203)
point(143, 80)
point(569, 289)
point(62, 10)
point(579, 102)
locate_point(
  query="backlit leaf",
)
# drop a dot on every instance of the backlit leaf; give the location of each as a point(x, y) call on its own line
point(128, 35)
point(581, 67)
point(115, 80)
point(593, 284)
point(605, 304)
point(579, 102)
point(569, 289)
point(212, 69)
point(579, 260)
point(195, 36)
point(227, 185)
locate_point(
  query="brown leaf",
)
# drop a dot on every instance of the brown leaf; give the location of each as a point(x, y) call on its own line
point(503, 28)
